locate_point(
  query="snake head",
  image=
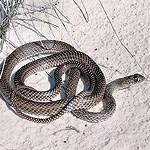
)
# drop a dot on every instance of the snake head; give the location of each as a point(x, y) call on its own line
point(136, 78)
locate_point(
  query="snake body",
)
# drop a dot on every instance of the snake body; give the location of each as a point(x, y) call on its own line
point(27, 101)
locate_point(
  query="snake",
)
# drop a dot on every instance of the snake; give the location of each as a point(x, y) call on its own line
point(31, 104)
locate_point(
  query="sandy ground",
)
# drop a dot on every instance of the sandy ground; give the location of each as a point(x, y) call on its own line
point(129, 127)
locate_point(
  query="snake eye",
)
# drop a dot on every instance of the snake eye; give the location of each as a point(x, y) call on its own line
point(135, 78)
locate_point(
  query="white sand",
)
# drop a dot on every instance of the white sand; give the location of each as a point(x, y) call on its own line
point(129, 127)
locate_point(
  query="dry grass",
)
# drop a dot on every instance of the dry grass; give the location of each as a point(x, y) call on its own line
point(8, 9)
point(24, 14)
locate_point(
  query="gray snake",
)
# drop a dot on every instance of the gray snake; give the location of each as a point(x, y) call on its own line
point(27, 101)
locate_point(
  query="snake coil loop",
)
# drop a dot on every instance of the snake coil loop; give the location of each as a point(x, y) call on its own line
point(28, 102)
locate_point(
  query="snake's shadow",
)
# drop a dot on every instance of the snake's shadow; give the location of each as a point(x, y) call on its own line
point(51, 80)
point(83, 77)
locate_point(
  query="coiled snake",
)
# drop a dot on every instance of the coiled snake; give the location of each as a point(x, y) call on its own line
point(27, 101)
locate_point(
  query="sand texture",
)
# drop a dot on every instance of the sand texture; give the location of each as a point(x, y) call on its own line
point(120, 45)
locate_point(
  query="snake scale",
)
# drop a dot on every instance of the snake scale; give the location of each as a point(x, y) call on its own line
point(31, 104)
